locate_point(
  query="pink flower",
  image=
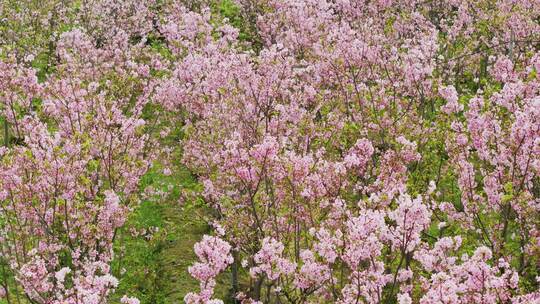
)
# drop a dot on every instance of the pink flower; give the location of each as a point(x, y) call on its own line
point(61, 274)
point(404, 298)
point(214, 255)
point(449, 93)
point(129, 300)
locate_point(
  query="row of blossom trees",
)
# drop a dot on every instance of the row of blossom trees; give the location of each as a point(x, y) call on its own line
point(75, 87)
point(353, 151)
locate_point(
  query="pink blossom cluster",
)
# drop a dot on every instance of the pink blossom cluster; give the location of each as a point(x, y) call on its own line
point(214, 255)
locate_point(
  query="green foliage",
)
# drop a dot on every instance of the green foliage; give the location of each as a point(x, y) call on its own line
point(248, 32)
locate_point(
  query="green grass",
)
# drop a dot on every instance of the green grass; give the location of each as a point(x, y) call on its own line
point(157, 268)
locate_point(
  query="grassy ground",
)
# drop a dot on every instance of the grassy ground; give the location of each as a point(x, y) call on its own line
point(157, 267)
